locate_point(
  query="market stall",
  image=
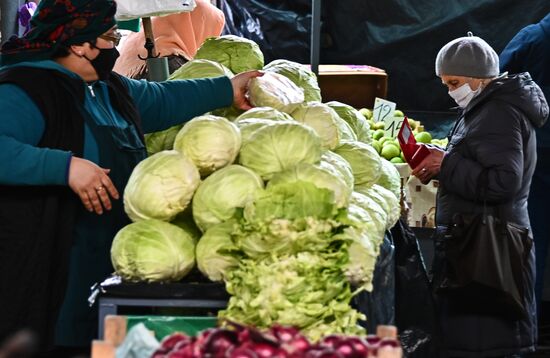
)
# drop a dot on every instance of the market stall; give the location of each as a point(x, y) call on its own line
point(278, 215)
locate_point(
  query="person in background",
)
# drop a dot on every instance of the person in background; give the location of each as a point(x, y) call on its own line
point(492, 142)
point(71, 132)
point(529, 51)
point(177, 37)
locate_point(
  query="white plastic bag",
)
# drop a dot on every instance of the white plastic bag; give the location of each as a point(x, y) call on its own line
point(133, 9)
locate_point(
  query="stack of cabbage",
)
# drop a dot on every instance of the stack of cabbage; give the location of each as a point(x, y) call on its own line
point(289, 200)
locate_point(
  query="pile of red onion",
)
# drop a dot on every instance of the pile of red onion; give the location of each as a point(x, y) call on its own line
point(236, 341)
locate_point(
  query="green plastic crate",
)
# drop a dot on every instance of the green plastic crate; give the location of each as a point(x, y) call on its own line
point(166, 325)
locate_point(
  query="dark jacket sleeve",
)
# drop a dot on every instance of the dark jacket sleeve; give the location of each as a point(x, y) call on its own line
point(512, 57)
point(496, 144)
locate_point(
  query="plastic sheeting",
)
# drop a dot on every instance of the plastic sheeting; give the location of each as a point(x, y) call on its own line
point(415, 312)
point(379, 305)
point(400, 36)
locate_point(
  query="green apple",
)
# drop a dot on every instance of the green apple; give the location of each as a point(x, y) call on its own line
point(397, 160)
point(376, 145)
point(390, 151)
point(423, 137)
point(379, 133)
point(398, 113)
point(379, 125)
point(366, 112)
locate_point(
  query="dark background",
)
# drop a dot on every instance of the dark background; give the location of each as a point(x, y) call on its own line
point(399, 36)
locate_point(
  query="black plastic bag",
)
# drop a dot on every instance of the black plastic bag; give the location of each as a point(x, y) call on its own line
point(415, 311)
point(379, 305)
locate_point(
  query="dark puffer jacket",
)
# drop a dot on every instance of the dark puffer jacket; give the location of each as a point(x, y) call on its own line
point(495, 133)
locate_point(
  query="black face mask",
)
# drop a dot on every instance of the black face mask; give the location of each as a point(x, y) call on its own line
point(104, 62)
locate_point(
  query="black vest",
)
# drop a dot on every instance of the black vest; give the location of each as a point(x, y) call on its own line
point(37, 222)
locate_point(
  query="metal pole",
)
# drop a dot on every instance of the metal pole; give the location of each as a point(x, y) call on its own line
point(315, 35)
point(157, 66)
point(8, 18)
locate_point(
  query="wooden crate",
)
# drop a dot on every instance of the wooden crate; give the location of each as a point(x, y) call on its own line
point(115, 332)
point(356, 85)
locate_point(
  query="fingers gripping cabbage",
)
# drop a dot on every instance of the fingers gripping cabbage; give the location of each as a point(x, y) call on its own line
point(300, 74)
point(276, 91)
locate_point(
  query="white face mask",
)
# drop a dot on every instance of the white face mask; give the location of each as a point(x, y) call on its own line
point(464, 94)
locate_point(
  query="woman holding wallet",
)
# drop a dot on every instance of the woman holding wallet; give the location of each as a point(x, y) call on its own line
point(487, 165)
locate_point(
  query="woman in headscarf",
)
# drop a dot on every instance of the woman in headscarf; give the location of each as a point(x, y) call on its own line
point(70, 135)
point(177, 37)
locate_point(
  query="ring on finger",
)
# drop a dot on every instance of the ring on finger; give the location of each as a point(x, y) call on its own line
point(423, 170)
point(99, 188)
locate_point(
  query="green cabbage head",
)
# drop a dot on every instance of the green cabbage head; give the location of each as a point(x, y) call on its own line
point(222, 193)
point(355, 119)
point(163, 140)
point(364, 161)
point(331, 159)
point(200, 69)
point(327, 178)
point(280, 146)
point(265, 113)
point(160, 186)
point(293, 201)
point(184, 221)
point(216, 253)
point(379, 217)
point(325, 122)
point(363, 253)
point(276, 91)
point(250, 125)
point(211, 142)
point(392, 203)
point(234, 52)
point(152, 251)
point(300, 74)
point(390, 178)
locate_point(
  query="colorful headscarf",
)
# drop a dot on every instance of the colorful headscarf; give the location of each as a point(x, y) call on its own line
point(59, 23)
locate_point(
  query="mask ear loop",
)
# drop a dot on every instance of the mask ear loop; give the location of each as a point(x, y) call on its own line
point(92, 45)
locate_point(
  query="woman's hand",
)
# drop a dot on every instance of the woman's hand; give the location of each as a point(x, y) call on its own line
point(92, 184)
point(240, 87)
point(430, 166)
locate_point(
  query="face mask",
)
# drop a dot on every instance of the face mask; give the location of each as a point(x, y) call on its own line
point(463, 95)
point(104, 62)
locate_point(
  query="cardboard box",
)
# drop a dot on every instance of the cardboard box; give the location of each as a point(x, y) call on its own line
point(356, 85)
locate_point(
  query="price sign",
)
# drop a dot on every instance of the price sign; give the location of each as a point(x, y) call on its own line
point(382, 109)
point(392, 125)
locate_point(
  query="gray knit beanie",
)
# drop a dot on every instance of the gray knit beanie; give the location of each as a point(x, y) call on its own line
point(468, 56)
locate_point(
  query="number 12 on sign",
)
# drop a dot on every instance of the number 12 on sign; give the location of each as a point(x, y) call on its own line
point(382, 109)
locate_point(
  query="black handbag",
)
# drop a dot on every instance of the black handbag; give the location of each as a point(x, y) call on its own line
point(486, 259)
